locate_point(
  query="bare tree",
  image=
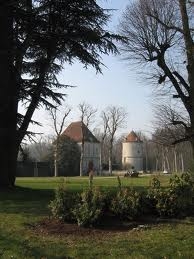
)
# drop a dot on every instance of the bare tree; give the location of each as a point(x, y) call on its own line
point(168, 118)
point(87, 113)
point(102, 136)
point(113, 118)
point(160, 33)
point(41, 149)
point(174, 158)
point(105, 120)
point(58, 127)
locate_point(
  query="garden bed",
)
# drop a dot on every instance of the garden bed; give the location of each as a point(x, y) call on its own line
point(110, 225)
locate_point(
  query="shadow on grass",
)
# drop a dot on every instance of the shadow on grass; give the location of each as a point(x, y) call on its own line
point(22, 248)
point(25, 200)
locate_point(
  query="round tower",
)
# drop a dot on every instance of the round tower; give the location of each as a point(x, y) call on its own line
point(132, 152)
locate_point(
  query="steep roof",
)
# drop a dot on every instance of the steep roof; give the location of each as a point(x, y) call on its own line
point(76, 131)
point(132, 137)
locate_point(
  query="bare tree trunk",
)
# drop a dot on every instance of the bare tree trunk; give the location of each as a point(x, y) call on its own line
point(190, 66)
point(167, 163)
point(146, 158)
point(87, 113)
point(8, 99)
point(167, 159)
point(101, 154)
point(56, 167)
point(82, 149)
point(81, 159)
point(53, 113)
point(182, 163)
point(56, 158)
point(110, 158)
point(175, 161)
point(156, 164)
point(192, 147)
point(163, 160)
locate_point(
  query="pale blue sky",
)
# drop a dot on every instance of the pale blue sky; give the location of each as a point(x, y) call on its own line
point(119, 85)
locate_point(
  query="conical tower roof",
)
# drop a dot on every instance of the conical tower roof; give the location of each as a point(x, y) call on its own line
point(132, 137)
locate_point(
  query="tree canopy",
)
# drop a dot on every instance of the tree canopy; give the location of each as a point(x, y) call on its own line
point(49, 34)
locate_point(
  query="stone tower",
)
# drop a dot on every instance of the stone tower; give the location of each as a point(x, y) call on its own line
point(132, 152)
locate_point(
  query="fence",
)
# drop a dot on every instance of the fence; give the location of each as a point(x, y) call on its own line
point(36, 169)
point(41, 169)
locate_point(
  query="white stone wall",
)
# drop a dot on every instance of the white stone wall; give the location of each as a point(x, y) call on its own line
point(91, 153)
point(132, 155)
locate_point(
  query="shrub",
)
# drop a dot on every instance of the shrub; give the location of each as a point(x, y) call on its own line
point(176, 200)
point(90, 208)
point(167, 203)
point(183, 184)
point(119, 182)
point(91, 205)
point(155, 183)
point(125, 204)
point(63, 204)
point(183, 188)
point(147, 204)
point(150, 199)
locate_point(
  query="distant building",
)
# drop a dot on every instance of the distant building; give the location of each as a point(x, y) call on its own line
point(77, 131)
point(132, 152)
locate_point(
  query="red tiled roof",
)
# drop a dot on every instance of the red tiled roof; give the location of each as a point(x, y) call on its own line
point(132, 137)
point(74, 132)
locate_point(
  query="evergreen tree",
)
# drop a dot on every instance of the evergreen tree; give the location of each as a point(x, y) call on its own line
point(47, 34)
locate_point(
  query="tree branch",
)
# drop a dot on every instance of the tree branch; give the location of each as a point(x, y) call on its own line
point(182, 81)
point(162, 64)
point(168, 27)
point(180, 123)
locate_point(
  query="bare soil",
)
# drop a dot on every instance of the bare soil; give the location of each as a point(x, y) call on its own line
point(50, 226)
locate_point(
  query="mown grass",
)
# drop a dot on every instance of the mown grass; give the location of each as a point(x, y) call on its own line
point(80, 183)
point(28, 203)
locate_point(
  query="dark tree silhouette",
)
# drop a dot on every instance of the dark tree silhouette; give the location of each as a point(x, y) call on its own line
point(8, 102)
point(47, 34)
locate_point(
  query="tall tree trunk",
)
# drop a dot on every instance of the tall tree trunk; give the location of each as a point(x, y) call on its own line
point(8, 98)
point(110, 158)
point(56, 158)
point(182, 163)
point(81, 159)
point(192, 146)
point(189, 46)
point(82, 149)
point(175, 161)
point(167, 163)
point(156, 164)
point(101, 155)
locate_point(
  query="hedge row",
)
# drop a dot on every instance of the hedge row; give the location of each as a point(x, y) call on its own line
point(89, 207)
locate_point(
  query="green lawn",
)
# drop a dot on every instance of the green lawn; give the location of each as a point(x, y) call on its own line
point(27, 204)
point(79, 183)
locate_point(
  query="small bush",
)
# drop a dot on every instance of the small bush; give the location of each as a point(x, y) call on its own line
point(90, 208)
point(150, 199)
point(126, 204)
point(167, 204)
point(183, 188)
point(63, 204)
point(175, 201)
point(147, 204)
point(155, 183)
